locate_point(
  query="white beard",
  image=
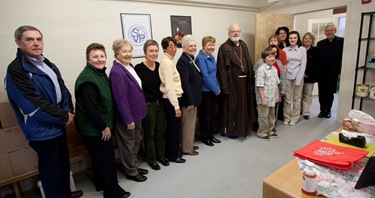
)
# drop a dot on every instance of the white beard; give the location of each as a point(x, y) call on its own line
point(235, 39)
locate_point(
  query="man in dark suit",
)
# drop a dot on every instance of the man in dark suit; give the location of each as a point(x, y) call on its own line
point(330, 69)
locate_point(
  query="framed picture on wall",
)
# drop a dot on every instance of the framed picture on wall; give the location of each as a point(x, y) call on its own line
point(181, 26)
point(136, 28)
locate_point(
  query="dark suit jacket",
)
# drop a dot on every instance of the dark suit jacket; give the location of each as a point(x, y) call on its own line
point(332, 56)
point(191, 81)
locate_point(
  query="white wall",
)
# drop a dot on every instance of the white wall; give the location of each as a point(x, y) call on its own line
point(69, 26)
point(301, 20)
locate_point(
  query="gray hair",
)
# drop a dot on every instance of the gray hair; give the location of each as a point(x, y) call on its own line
point(330, 25)
point(19, 31)
point(231, 26)
point(186, 39)
point(148, 43)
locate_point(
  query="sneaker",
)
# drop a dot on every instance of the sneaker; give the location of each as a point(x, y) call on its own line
point(285, 122)
point(292, 123)
point(266, 138)
point(274, 135)
point(307, 117)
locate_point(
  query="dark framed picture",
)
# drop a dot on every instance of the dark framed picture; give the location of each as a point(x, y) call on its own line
point(181, 26)
point(136, 28)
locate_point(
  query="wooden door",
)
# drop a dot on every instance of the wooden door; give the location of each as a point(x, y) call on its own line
point(265, 26)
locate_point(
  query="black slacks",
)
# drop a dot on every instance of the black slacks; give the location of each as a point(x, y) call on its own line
point(53, 166)
point(327, 88)
point(103, 163)
point(172, 133)
point(207, 112)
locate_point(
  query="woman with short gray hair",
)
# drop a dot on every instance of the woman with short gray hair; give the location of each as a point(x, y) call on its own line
point(191, 82)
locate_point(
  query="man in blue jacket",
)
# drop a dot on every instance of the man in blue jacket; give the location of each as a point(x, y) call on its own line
point(43, 107)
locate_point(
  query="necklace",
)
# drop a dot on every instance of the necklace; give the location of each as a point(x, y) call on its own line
point(193, 62)
point(239, 58)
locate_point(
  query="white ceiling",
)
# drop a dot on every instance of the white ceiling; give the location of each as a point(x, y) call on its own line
point(246, 5)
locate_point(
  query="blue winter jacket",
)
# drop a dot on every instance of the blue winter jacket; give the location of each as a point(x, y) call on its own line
point(32, 95)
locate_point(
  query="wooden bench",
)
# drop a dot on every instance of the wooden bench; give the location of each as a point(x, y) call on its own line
point(77, 152)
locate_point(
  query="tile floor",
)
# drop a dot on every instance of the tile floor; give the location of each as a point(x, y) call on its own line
point(233, 168)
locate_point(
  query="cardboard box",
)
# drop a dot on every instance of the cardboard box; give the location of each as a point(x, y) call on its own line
point(3, 144)
point(5, 166)
point(7, 116)
point(15, 139)
point(23, 161)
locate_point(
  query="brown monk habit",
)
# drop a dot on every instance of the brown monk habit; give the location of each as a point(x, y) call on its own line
point(237, 99)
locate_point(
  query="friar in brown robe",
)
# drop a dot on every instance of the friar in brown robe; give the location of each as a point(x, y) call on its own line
point(235, 74)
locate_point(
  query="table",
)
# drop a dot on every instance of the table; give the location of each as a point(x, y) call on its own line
point(287, 181)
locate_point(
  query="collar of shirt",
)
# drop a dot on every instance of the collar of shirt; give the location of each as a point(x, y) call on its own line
point(36, 61)
point(268, 67)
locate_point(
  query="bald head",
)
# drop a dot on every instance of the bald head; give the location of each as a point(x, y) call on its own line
point(234, 33)
point(233, 26)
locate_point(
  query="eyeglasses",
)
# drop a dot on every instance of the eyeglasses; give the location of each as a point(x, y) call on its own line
point(235, 31)
point(172, 46)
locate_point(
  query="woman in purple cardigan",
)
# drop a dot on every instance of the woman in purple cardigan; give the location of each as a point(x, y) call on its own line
point(130, 106)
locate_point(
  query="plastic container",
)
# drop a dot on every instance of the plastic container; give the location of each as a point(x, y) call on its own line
point(309, 179)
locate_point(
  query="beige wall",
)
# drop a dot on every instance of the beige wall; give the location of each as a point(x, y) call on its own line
point(70, 25)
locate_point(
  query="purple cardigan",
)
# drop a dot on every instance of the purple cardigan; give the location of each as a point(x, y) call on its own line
point(130, 103)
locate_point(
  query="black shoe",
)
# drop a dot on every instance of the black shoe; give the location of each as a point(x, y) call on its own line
point(137, 178)
point(178, 160)
point(274, 135)
point(76, 194)
point(322, 114)
point(214, 140)
point(142, 171)
point(179, 154)
point(266, 138)
point(232, 136)
point(207, 142)
point(154, 166)
point(164, 162)
point(328, 114)
point(307, 117)
point(127, 194)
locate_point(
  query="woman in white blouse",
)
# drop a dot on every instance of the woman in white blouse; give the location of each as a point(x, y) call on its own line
point(295, 70)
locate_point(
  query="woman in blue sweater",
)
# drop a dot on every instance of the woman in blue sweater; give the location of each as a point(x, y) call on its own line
point(210, 90)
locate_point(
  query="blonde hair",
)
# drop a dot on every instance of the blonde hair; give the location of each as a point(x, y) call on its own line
point(118, 44)
point(312, 36)
point(207, 39)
